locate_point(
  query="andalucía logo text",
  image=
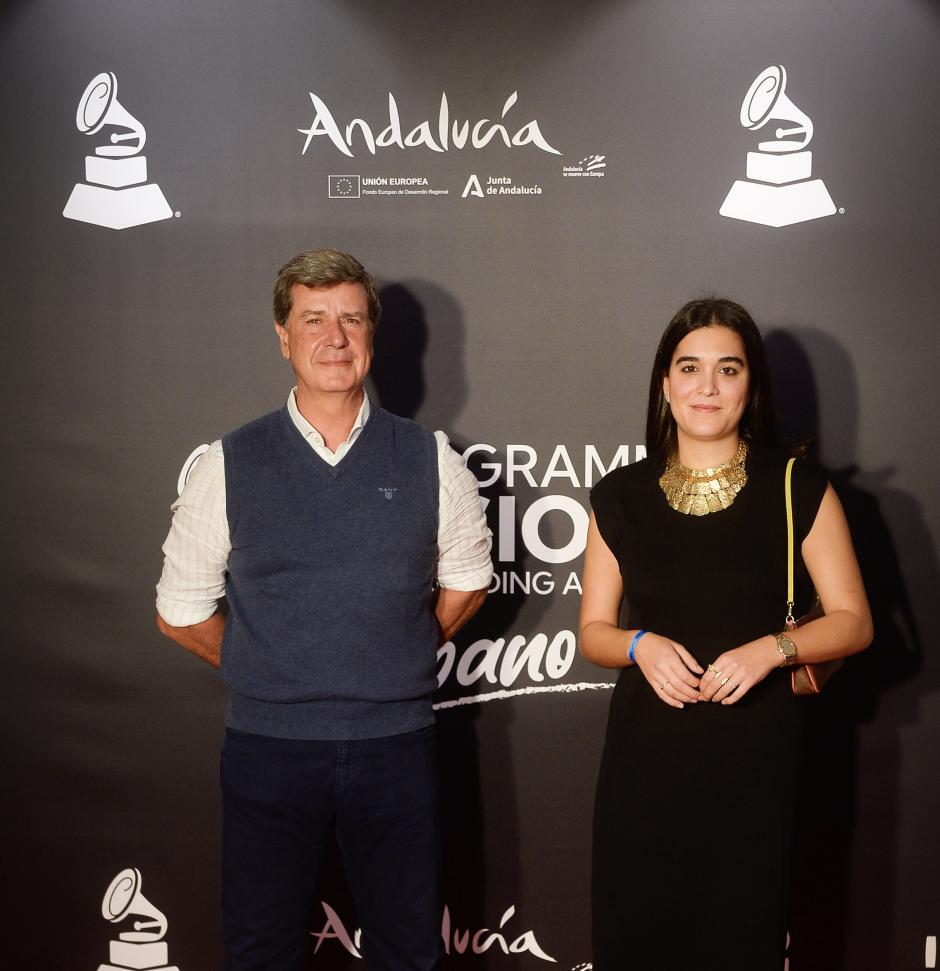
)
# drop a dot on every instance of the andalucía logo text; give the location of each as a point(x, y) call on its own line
point(445, 135)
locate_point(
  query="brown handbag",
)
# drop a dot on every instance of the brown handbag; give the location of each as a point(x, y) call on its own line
point(805, 679)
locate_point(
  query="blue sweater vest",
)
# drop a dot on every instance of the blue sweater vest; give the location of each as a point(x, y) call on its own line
point(331, 632)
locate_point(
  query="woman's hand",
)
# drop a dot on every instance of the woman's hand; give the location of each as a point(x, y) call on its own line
point(732, 674)
point(671, 671)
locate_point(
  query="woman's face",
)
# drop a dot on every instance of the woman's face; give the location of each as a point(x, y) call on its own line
point(707, 384)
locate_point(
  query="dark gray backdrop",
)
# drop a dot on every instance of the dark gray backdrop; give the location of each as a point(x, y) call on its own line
point(524, 319)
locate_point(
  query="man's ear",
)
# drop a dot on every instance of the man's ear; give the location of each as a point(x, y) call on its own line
point(282, 340)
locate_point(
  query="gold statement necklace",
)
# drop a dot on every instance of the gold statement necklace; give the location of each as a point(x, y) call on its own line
point(698, 492)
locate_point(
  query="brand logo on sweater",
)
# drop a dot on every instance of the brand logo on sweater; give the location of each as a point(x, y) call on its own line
point(388, 492)
point(142, 946)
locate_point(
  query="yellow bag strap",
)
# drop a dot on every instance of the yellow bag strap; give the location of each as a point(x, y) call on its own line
point(790, 621)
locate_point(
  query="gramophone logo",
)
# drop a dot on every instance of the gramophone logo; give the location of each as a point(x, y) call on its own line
point(778, 190)
point(143, 946)
point(115, 192)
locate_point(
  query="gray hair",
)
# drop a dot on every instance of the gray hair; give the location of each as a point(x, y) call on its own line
point(323, 268)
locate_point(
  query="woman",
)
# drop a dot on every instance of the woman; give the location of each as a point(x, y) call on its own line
point(693, 812)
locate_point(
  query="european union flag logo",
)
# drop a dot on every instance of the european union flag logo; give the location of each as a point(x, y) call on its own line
point(344, 186)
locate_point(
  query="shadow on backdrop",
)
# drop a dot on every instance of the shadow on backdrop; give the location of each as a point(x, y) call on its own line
point(847, 811)
point(418, 373)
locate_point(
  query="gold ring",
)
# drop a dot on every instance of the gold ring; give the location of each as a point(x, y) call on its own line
point(716, 672)
point(724, 681)
point(713, 669)
point(662, 687)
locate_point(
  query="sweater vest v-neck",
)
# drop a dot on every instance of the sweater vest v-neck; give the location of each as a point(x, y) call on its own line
point(331, 631)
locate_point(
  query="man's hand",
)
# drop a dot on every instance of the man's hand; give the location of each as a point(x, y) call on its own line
point(203, 639)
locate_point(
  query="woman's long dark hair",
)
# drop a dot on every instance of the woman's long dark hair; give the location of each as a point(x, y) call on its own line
point(757, 422)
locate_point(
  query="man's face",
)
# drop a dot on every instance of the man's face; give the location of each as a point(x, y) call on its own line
point(328, 338)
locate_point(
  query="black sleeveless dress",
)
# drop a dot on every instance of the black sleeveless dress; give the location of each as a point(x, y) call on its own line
point(693, 813)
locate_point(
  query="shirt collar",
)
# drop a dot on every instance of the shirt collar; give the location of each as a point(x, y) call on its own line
point(310, 433)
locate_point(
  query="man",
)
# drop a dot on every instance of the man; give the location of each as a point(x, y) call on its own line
point(327, 525)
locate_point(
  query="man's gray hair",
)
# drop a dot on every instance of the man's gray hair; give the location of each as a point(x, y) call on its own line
point(323, 268)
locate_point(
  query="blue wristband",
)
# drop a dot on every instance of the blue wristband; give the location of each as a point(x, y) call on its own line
point(631, 654)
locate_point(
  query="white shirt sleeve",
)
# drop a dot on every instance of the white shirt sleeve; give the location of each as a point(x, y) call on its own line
point(463, 538)
point(197, 547)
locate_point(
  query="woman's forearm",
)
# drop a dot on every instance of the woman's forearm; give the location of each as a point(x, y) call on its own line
point(604, 644)
point(838, 634)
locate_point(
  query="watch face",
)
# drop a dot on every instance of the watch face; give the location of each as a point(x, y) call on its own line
point(786, 646)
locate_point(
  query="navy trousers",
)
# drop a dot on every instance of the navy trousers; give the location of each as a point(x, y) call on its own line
point(282, 800)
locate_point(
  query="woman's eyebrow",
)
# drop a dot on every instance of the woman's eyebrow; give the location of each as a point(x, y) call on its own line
point(721, 360)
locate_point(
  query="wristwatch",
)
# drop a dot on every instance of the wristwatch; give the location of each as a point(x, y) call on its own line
point(787, 649)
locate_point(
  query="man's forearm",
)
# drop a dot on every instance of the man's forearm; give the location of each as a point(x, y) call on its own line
point(203, 639)
point(455, 607)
